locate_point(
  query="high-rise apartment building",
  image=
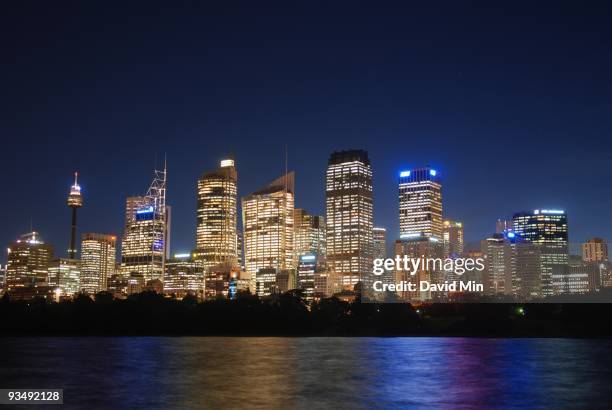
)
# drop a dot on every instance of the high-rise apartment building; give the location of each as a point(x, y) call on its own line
point(379, 243)
point(310, 235)
point(267, 217)
point(452, 238)
point(28, 262)
point(547, 228)
point(349, 210)
point(216, 237)
point(420, 203)
point(146, 236)
point(595, 250)
point(97, 261)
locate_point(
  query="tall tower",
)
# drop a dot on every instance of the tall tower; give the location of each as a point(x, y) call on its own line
point(267, 217)
point(420, 203)
point(548, 229)
point(348, 203)
point(145, 244)
point(453, 239)
point(216, 238)
point(75, 201)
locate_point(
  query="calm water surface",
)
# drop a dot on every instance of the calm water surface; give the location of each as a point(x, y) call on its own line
point(208, 372)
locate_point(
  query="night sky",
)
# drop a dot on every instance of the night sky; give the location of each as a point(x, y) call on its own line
point(512, 104)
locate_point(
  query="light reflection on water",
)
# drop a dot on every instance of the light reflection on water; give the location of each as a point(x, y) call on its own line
point(211, 372)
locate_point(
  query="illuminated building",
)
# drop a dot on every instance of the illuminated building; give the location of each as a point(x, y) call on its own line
point(216, 237)
point(146, 236)
point(379, 242)
point(497, 272)
point(97, 261)
point(525, 263)
point(452, 238)
point(240, 249)
point(265, 281)
point(267, 217)
point(28, 262)
point(548, 229)
point(75, 201)
point(309, 234)
point(64, 274)
point(595, 250)
point(414, 248)
point(349, 216)
point(2, 277)
point(420, 203)
point(309, 271)
point(184, 276)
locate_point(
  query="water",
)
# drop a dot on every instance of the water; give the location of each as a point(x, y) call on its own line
point(210, 372)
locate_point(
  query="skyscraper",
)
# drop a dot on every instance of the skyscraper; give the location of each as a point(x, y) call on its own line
point(309, 234)
point(65, 275)
point(349, 216)
point(452, 237)
point(216, 239)
point(146, 236)
point(28, 261)
point(497, 272)
point(75, 201)
point(97, 261)
point(420, 203)
point(267, 217)
point(548, 229)
point(379, 243)
point(595, 250)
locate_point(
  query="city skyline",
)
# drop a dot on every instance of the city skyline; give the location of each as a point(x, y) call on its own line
point(412, 87)
point(471, 242)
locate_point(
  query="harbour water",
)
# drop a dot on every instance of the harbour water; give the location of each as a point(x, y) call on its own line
point(219, 372)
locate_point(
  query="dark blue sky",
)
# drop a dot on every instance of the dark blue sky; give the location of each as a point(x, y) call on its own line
point(512, 103)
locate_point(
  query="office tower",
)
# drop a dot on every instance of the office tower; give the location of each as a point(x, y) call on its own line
point(452, 238)
point(379, 242)
point(97, 261)
point(420, 203)
point(502, 226)
point(286, 280)
point(310, 235)
point(265, 281)
point(349, 216)
point(424, 248)
point(497, 272)
point(267, 217)
point(28, 262)
point(595, 250)
point(216, 240)
point(64, 276)
point(184, 276)
point(75, 201)
point(307, 267)
point(240, 249)
point(2, 277)
point(548, 229)
point(146, 236)
point(525, 263)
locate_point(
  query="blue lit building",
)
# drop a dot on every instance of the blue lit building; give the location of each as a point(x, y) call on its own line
point(547, 228)
point(420, 203)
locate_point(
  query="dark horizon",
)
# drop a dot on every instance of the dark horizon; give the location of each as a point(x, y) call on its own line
point(511, 106)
